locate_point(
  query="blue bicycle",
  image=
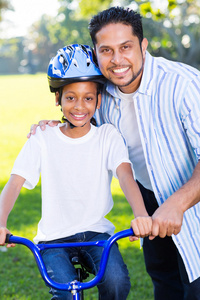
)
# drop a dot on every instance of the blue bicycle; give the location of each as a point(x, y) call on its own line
point(76, 287)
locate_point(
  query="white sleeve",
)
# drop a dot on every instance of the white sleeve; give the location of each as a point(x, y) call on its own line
point(27, 164)
point(117, 151)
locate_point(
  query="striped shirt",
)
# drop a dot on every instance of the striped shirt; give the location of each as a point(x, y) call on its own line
point(167, 106)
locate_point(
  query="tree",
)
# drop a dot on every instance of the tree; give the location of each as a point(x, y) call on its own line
point(4, 5)
point(49, 34)
point(11, 53)
point(86, 9)
point(172, 27)
point(174, 31)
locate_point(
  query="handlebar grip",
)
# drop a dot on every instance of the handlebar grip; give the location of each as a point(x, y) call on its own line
point(8, 235)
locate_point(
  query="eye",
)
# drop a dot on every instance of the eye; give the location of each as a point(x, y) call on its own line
point(105, 50)
point(125, 47)
point(69, 98)
point(88, 98)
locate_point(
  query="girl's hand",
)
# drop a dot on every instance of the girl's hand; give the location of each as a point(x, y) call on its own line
point(142, 227)
point(3, 232)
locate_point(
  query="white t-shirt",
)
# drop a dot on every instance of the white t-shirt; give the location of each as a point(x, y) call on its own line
point(76, 176)
point(131, 133)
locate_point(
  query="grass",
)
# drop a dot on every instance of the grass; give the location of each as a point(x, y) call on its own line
point(25, 99)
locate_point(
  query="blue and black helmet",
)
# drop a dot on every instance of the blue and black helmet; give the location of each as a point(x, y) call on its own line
point(73, 63)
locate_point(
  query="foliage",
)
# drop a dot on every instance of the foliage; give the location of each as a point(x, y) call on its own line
point(4, 5)
point(173, 30)
point(68, 28)
point(86, 9)
point(11, 53)
point(49, 34)
point(171, 27)
point(26, 99)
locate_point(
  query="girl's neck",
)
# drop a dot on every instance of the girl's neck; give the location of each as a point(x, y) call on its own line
point(75, 132)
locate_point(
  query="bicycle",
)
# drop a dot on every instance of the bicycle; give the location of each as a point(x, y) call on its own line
point(75, 286)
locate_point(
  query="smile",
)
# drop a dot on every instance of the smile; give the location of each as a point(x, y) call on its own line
point(79, 117)
point(119, 71)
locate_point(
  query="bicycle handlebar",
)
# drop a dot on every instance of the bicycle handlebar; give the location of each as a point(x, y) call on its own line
point(74, 285)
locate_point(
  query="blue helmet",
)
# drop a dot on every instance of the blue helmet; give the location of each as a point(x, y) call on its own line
point(73, 63)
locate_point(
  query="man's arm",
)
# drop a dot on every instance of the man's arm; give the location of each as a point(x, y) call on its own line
point(7, 200)
point(168, 218)
point(142, 223)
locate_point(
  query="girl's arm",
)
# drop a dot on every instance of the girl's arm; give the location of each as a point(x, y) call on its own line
point(142, 224)
point(7, 200)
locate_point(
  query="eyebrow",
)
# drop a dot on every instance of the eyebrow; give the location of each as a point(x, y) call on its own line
point(123, 43)
point(72, 92)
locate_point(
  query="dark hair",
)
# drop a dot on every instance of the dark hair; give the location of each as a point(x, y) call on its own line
point(116, 15)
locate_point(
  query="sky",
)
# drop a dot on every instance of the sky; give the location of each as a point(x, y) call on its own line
point(26, 13)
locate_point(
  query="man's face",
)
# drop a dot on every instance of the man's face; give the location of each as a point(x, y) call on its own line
point(120, 56)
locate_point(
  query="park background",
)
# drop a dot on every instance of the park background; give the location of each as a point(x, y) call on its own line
point(172, 29)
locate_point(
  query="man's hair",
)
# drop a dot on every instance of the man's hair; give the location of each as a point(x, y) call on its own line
point(116, 15)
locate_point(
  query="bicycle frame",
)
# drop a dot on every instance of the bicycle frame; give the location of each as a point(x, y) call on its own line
point(74, 286)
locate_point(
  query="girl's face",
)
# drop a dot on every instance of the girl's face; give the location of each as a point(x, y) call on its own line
point(79, 102)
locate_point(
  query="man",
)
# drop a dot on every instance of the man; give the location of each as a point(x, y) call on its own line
point(155, 105)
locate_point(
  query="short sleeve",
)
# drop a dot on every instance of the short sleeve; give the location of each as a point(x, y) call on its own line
point(27, 164)
point(117, 152)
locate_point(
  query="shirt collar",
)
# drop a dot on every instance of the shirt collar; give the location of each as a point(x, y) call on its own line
point(148, 75)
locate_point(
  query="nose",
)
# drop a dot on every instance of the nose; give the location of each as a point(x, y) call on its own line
point(117, 57)
point(78, 104)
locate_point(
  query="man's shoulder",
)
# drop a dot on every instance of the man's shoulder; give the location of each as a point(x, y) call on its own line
point(176, 67)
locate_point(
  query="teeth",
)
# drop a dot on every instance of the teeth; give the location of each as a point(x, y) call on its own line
point(79, 116)
point(120, 70)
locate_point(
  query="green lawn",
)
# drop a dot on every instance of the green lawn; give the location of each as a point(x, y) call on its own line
point(25, 100)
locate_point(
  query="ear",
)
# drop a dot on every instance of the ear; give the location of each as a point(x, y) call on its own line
point(99, 101)
point(57, 98)
point(95, 54)
point(144, 46)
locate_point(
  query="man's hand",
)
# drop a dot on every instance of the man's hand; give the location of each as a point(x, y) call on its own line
point(42, 125)
point(142, 226)
point(167, 219)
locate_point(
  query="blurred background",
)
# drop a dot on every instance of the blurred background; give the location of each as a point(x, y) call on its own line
point(32, 31)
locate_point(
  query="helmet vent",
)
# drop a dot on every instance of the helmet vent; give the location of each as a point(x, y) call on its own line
point(74, 61)
point(84, 49)
point(69, 51)
point(88, 62)
point(61, 59)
